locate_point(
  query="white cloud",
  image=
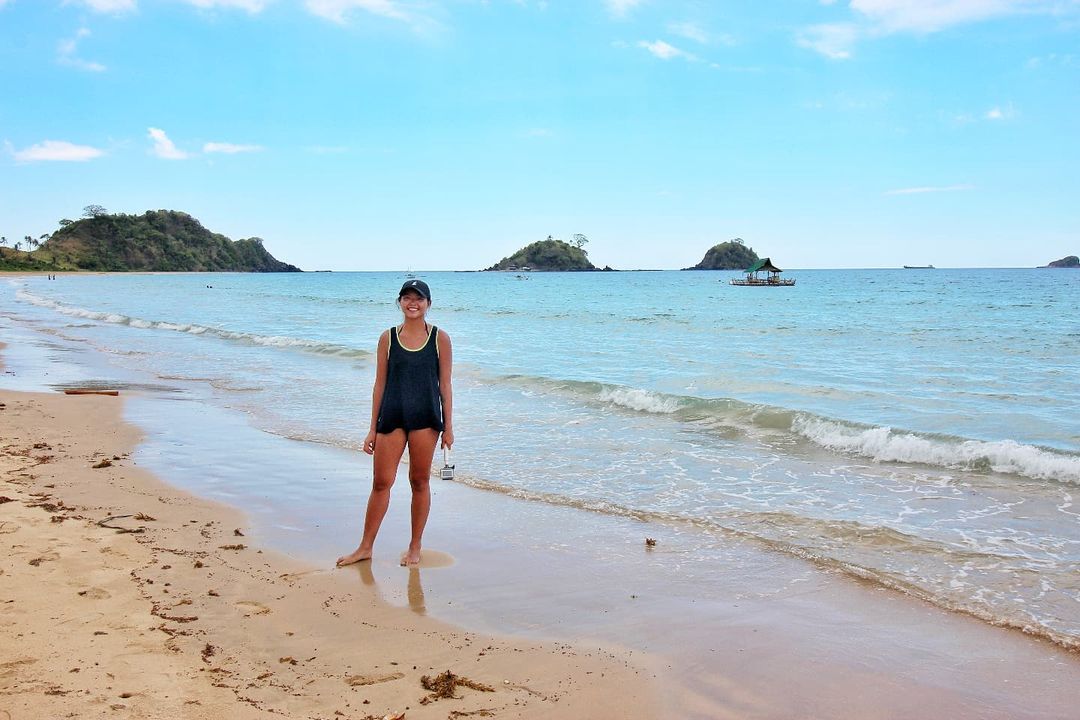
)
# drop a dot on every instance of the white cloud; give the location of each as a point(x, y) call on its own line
point(1053, 60)
point(693, 31)
point(252, 6)
point(688, 30)
point(230, 148)
point(113, 7)
point(620, 8)
point(67, 53)
point(665, 51)
point(337, 10)
point(929, 189)
point(927, 16)
point(163, 146)
point(833, 40)
point(877, 18)
point(1000, 113)
point(57, 151)
point(934, 15)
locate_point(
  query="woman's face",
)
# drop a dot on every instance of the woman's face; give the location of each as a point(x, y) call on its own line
point(413, 304)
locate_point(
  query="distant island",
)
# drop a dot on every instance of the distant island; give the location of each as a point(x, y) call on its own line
point(730, 255)
point(156, 241)
point(549, 255)
point(1069, 261)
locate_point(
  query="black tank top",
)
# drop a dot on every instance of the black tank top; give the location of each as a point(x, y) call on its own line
point(411, 398)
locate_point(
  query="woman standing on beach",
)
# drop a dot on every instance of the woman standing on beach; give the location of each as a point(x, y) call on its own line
point(411, 403)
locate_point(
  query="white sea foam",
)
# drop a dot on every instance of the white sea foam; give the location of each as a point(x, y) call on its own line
point(885, 445)
point(640, 400)
point(140, 323)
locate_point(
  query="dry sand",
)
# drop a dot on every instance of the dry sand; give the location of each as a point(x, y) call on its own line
point(124, 597)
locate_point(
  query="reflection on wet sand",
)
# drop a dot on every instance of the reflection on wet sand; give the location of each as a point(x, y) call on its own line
point(416, 593)
point(414, 590)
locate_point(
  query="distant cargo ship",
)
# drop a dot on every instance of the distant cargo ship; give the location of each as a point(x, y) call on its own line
point(918, 267)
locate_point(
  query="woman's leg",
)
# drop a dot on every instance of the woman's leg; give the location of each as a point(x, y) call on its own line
point(421, 451)
point(389, 448)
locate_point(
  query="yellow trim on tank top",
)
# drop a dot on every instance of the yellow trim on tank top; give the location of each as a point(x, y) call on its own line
point(397, 334)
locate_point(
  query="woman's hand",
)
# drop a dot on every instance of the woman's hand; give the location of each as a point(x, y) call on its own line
point(447, 439)
point(369, 443)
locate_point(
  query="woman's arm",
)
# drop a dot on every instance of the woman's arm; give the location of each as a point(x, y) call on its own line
point(446, 386)
point(377, 391)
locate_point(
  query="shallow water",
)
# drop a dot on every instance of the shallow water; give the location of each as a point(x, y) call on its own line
point(914, 429)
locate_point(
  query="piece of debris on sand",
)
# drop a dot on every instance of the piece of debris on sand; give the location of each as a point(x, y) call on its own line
point(445, 685)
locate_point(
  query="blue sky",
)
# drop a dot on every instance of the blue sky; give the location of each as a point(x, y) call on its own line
point(446, 134)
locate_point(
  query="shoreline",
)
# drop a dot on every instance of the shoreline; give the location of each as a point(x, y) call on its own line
point(174, 614)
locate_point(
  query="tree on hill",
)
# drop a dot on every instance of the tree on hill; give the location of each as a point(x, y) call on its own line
point(549, 254)
point(730, 255)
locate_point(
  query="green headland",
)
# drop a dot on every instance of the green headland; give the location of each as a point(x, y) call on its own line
point(156, 241)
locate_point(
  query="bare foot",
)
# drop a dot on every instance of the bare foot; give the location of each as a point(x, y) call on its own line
point(358, 555)
point(411, 558)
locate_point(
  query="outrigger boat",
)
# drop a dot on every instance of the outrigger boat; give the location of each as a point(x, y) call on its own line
point(772, 278)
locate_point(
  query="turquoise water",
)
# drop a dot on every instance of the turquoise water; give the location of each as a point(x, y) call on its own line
point(917, 429)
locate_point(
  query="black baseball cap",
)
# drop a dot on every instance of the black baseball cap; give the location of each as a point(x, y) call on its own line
point(418, 286)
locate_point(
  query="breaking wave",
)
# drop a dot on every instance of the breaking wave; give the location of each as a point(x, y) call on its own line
point(885, 444)
point(247, 338)
point(878, 443)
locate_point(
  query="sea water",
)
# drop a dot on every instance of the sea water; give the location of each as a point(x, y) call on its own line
point(917, 429)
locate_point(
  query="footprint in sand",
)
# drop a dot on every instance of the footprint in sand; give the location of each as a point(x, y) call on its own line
point(294, 576)
point(253, 608)
point(11, 669)
point(47, 557)
point(361, 680)
point(95, 593)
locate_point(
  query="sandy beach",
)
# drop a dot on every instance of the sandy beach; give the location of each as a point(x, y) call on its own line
point(124, 597)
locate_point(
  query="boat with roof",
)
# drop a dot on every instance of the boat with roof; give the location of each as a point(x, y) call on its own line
point(771, 278)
